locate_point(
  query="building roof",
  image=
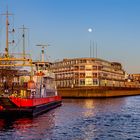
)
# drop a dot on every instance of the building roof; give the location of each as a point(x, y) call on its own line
point(85, 58)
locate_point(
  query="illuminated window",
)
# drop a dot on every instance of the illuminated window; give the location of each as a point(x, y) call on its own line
point(88, 81)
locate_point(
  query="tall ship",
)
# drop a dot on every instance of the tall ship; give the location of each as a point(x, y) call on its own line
point(27, 87)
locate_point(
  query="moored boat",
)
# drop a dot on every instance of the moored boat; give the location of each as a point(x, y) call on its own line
point(31, 98)
point(24, 92)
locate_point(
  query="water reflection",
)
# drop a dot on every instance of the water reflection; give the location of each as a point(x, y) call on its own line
point(26, 128)
point(79, 119)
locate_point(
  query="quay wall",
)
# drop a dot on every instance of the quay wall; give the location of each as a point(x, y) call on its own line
point(97, 92)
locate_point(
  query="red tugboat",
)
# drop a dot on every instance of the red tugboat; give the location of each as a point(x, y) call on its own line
point(24, 93)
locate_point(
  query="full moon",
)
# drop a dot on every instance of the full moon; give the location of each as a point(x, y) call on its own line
point(90, 30)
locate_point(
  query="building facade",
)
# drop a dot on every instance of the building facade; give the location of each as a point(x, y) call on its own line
point(89, 72)
point(135, 77)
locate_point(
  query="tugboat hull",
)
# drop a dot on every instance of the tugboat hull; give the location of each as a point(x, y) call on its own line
point(29, 111)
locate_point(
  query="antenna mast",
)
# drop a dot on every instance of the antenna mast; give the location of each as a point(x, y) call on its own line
point(42, 51)
point(90, 48)
point(96, 50)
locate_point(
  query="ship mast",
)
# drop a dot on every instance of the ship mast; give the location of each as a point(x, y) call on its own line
point(23, 36)
point(8, 61)
point(7, 14)
point(7, 44)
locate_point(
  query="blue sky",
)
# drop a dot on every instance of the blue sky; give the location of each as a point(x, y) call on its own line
point(64, 25)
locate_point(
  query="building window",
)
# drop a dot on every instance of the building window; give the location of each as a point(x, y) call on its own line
point(82, 75)
point(88, 67)
point(76, 68)
point(82, 67)
point(82, 81)
point(94, 67)
point(94, 74)
point(76, 75)
point(88, 73)
point(95, 81)
point(88, 81)
point(76, 82)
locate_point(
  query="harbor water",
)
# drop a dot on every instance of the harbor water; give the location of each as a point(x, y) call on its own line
point(79, 119)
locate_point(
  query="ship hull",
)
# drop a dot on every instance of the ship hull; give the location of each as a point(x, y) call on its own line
point(29, 111)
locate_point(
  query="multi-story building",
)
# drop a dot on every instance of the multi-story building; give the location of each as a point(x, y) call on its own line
point(88, 72)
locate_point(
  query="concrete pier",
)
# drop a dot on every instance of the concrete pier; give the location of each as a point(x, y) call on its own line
point(97, 92)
